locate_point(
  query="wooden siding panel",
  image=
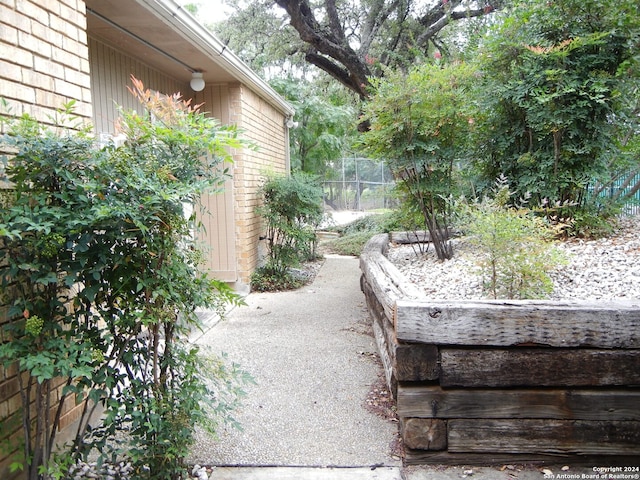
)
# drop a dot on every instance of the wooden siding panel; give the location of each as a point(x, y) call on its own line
point(219, 219)
point(111, 72)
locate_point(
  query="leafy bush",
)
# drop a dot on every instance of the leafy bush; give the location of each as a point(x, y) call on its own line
point(355, 235)
point(420, 124)
point(376, 223)
point(550, 93)
point(266, 280)
point(292, 211)
point(350, 244)
point(513, 246)
point(587, 223)
point(103, 276)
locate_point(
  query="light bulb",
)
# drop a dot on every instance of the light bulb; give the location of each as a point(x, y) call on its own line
point(197, 82)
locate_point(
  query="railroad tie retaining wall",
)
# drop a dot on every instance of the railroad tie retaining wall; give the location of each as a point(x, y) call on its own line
point(506, 381)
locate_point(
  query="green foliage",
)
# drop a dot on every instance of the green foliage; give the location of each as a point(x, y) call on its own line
point(420, 123)
point(355, 235)
point(265, 279)
point(372, 223)
point(551, 74)
point(591, 222)
point(350, 244)
point(260, 36)
point(325, 125)
point(292, 211)
point(513, 246)
point(100, 254)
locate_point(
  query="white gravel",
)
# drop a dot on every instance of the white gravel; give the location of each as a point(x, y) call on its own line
point(603, 269)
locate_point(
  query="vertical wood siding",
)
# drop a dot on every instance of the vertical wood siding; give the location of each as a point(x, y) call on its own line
point(111, 72)
point(219, 219)
point(110, 75)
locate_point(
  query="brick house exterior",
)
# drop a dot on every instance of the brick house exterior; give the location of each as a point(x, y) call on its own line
point(54, 51)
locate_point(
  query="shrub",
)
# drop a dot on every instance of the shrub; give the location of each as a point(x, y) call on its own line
point(420, 124)
point(513, 246)
point(292, 211)
point(110, 223)
point(375, 222)
point(354, 235)
point(351, 244)
point(266, 280)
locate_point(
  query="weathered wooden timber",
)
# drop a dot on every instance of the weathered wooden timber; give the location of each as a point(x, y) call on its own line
point(420, 236)
point(543, 367)
point(443, 457)
point(579, 437)
point(519, 322)
point(424, 433)
point(482, 382)
point(433, 401)
point(386, 282)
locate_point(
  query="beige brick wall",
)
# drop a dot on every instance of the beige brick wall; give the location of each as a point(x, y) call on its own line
point(264, 125)
point(44, 63)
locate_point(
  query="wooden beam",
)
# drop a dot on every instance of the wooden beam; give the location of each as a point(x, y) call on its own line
point(424, 433)
point(544, 436)
point(520, 322)
point(417, 362)
point(542, 367)
point(421, 236)
point(421, 457)
point(387, 361)
point(583, 404)
point(387, 283)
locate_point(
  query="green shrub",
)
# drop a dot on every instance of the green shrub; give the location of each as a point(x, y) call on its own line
point(292, 211)
point(513, 247)
point(589, 222)
point(110, 223)
point(354, 235)
point(350, 244)
point(265, 279)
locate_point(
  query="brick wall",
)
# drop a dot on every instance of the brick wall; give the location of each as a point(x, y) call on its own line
point(43, 65)
point(263, 124)
point(44, 61)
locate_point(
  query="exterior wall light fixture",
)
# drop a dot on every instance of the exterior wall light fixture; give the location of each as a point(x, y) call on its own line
point(197, 82)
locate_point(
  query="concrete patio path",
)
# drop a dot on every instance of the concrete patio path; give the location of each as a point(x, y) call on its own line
point(314, 360)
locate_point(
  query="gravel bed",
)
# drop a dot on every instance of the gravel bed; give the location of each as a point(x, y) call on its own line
point(602, 269)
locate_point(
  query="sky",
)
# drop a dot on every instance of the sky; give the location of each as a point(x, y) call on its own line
point(209, 11)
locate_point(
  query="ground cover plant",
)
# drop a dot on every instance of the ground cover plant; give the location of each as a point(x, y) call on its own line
point(101, 270)
point(354, 235)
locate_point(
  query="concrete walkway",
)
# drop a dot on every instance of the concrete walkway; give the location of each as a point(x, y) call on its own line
point(314, 360)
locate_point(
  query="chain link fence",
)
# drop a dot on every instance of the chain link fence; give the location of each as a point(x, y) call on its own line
point(360, 184)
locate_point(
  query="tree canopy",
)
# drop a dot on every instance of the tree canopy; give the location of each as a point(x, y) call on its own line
point(351, 42)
